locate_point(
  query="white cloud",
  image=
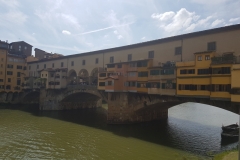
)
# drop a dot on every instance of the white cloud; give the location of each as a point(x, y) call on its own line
point(185, 21)
point(164, 16)
point(120, 37)
point(115, 32)
point(234, 19)
point(174, 22)
point(105, 36)
point(143, 38)
point(217, 22)
point(66, 32)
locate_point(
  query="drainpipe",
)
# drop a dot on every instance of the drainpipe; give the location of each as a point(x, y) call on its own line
point(5, 72)
point(182, 48)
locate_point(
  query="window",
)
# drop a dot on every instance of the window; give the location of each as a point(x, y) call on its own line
point(154, 72)
point(151, 54)
point(203, 71)
point(222, 70)
point(207, 57)
point(25, 47)
point(9, 79)
point(8, 87)
point(44, 65)
point(178, 50)
point(187, 71)
point(142, 64)
point(46, 75)
point(142, 74)
point(110, 65)
point(18, 74)
point(52, 65)
point(133, 65)
point(132, 74)
point(29, 67)
point(19, 82)
point(119, 66)
point(62, 64)
point(1, 80)
point(19, 48)
point(111, 59)
point(211, 46)
point(37, 66)
point(129, 57)
point(19, 67)
point(191, 71)
point(199, 58)
point(167, 71)
point(9, 66)
point(96, 61)
point(9, 73)
point(221, 87)
point(0, 72)
point(101, 84)
point(83, 62)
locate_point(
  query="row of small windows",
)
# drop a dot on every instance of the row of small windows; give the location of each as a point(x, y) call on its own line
point(178, 51)
point(142, 85)
point(53, 83)
point(62, 64)
point(162, 72)
point(157, 85)
point(18, 67)
point(212, 88)
point(207, 58)
point(220, 70)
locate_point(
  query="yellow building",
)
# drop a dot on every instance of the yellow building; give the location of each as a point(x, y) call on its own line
point(209, 76)
point(15, 72)
point(3, 59)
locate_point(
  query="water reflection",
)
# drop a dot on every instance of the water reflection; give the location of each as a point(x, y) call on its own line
point(191, 127)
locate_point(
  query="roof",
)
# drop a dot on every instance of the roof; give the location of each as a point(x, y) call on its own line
point(163, 40)
point(21, 42)
point(204, 52)
point(129, 61)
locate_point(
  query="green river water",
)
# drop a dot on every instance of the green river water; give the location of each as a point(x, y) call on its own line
point(191, 132)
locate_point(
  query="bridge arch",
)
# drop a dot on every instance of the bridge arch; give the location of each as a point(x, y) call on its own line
point(77, 99)
point(31, 97)
point(72, 77)
point(83, 76)
point(94, 76)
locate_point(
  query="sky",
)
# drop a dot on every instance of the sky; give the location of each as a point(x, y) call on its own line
point(78, 26)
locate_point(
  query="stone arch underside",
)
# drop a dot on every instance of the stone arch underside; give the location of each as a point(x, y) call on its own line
point(31, 97)
point(80, 100)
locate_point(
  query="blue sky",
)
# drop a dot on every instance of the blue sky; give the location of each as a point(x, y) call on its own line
point(77, 26)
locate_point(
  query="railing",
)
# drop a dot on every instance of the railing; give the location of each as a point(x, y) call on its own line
point(81, 86)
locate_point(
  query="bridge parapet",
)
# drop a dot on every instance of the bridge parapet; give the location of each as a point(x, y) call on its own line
point(81, 87)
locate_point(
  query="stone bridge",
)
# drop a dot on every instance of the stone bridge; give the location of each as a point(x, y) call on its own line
point(73, 97)
point(123, 107)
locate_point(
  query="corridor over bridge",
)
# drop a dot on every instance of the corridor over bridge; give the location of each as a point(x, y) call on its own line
point(141, 81)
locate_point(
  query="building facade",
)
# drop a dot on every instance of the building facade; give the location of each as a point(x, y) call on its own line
point(20, 48)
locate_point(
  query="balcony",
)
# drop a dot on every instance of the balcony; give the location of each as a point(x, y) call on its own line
point(102, 75)
point(226, 58)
